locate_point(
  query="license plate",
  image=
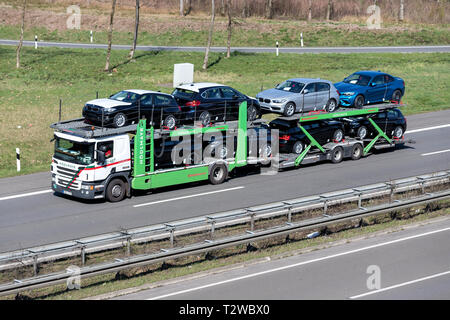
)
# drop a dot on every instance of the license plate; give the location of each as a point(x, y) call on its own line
point(67, 192)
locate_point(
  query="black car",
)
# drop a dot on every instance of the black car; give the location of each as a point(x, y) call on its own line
point(293, 139)
point(391, 121)
point(210, 102)
point(125, 107)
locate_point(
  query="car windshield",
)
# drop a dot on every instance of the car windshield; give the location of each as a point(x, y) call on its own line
point(357, 79)
point(183, 93)
point(290, 86)
point(74, 152)
point(126, 96)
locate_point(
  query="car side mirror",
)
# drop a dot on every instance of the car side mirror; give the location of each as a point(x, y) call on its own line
point(235, 97)
point(306, 91)
point(100, 156)
point(373, 84)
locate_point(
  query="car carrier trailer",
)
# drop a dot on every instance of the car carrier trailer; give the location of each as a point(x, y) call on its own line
point(82, 169)
point(347, 148)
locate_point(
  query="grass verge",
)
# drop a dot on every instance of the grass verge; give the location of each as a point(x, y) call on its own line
point(29, 96)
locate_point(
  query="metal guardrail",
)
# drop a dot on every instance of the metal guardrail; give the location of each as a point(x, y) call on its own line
point(211, 223)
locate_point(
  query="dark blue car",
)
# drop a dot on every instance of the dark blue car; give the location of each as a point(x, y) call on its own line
point(364, 87)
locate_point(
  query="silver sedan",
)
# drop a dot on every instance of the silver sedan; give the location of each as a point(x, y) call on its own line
point(299, 95)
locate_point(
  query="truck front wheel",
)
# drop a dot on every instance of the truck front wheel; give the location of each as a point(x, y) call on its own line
point(115, 191)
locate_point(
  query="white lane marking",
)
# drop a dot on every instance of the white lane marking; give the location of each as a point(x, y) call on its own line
point(435, 152)
point(299, 264)
point(26, 194)
point(186, 197)
point(428, 128)
point(400, 285)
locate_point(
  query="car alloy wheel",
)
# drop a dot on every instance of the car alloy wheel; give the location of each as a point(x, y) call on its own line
point(298, 147)
point(338, 135)
point(397, 95)
point(362, 132)
point(289, 109)
point(331, 105)
point(359, 102)
point(205, 118)
point(398, 132)
point(251, 113)
point(170, 122)
point(119, 120)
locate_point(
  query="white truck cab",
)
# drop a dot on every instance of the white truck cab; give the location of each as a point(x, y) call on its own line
point(83, 167)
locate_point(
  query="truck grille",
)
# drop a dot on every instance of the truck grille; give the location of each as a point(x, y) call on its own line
point(67, 178)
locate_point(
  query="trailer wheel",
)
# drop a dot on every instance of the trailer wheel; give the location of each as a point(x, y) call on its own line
point(357, 151)
point(331, 106)
point(115, 191)
point(359, 102)
point(337, 155)
point(289, 109)
point(218, 173)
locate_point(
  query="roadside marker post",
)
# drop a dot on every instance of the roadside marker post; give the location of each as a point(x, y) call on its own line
point(35, 42)
point(92, 37)
point(301, 39)
point(277, 45)
point(18, 159)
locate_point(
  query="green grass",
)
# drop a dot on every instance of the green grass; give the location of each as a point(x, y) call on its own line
point(29, 96)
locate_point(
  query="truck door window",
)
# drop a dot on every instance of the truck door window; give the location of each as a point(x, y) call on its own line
point(107, 147)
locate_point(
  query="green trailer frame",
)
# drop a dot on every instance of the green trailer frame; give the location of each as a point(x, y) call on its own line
point(145, 177)
point(343, 114)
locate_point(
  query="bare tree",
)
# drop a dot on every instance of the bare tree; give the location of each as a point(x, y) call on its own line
point(309, 10)
point(136, 31)
point(269, 9)
point(329, 10)
point(19, 47)
point(211, 29)
point(245, 9)
point(181, 7)
point(111, 20)
point(401, 15)
point(229, 27)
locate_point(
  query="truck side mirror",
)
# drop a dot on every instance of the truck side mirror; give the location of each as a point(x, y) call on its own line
point(100, 156)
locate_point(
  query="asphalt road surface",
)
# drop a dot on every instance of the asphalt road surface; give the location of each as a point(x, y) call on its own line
point(31, 215)
point(410, 264)
point(398, 49)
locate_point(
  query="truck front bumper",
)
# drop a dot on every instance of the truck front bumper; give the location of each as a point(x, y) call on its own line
point(95, 190)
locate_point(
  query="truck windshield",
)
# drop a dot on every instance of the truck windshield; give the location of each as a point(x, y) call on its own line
point(75, 152)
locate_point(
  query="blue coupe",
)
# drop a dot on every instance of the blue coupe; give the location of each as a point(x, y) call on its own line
point(364, 87)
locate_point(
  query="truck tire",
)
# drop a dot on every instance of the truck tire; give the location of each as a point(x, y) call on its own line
point(115, 191)
point(337, 155)
point(357, 151)
point(218, 173)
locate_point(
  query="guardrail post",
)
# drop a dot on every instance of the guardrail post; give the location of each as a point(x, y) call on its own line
point(325, 206)
point(35, 265)
point(422, 184)
point(391, 195)
point(360, 200)
point(213, 226)
point(83, 255)
point(289, 215)
point(172, 231)
point(128, 245)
